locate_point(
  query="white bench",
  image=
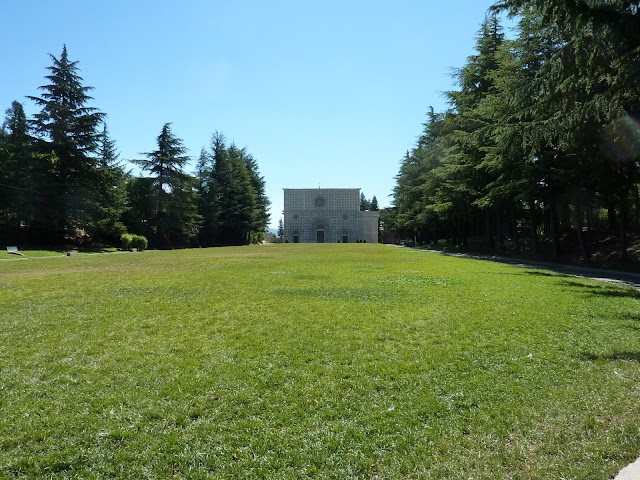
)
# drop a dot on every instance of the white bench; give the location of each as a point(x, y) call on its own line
point(13, 250)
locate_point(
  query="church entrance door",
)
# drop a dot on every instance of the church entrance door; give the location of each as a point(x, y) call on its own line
point(320, 236)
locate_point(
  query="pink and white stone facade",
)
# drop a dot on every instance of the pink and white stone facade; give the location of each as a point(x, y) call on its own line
point(327, 215)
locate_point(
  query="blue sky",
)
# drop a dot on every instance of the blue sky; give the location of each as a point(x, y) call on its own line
point(328, 94)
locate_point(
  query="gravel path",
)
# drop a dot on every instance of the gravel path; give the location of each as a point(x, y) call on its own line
point(610, 276)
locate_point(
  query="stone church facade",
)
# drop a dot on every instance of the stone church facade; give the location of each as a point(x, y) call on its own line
point(327, 215)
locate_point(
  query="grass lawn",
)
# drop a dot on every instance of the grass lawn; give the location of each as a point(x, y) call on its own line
point(324, 361)
point(36, 252)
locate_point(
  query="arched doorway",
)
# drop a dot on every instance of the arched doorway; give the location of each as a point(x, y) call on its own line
point(320, 234)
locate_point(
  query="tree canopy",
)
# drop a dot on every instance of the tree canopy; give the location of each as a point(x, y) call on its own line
point(62, 181)
point(541, 137)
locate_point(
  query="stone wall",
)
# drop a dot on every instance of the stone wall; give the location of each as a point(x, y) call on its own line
point(327, 215)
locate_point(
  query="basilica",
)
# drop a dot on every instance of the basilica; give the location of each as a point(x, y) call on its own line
point(331, 215)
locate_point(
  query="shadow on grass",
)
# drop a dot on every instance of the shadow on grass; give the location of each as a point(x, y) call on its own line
point(540, 274)
point(603, 291)
point(97, 250)
point(628, 356)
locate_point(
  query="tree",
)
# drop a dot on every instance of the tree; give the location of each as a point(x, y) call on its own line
point(622, 16)
point(280, 228)
point(214, 176)
point(239, 202)
point(260, 216)
point(374, 204)
point(111, 194)
point(233, 199)
point(539, 133)
point(365, 204)
point(17, 173)
point(593, 72)
point(141, 206)
point(175, 220)
point(70, 130)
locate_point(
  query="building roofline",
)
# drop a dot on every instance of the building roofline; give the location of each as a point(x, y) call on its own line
point(316, 189)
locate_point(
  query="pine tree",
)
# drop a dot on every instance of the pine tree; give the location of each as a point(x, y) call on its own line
point(106, 224)
point(280, 228)
point(233, 199)
point(468, 173)
point(239, 203)
point(18, 196)
point(260, 217)
point(374, 204)
point(215, 178)
point(70, 128)
point(365, 203)
point(175, 220)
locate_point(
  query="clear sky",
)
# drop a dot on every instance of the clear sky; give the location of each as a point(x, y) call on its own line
point(329, 93)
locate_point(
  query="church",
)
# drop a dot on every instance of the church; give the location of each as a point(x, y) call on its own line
point(327, 215)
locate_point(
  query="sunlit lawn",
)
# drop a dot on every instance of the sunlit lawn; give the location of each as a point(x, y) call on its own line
point(324, 361)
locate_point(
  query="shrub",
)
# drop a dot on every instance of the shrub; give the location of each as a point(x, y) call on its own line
point(130, 240)
point(139, 242)
point(125, 241)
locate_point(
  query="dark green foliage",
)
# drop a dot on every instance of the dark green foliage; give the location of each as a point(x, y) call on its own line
point(111, 194)
point(542, 134)
point(374, 204)
point(69, 132)
point(61, 181)
point(280, 228)
point(260, 215)
point(173, 218)
point(233, 202)
point(142, 205)
point(365, 203)
point(17, 173)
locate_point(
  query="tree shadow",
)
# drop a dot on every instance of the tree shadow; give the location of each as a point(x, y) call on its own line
point(540, 274)
point(628, 356)
point(613, 291)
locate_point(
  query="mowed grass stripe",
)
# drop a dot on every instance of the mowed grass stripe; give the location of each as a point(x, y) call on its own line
point(327, 361)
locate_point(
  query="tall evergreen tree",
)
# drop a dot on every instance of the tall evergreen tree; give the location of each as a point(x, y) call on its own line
point(214, 175)
point(17, 173)
point(111, 194)
point(365, 203)
point(175, 221)
point(239, 202)
point(141, 206)
point(260, 216)
point(70, 129)
point(280, 228)
point(233, 199)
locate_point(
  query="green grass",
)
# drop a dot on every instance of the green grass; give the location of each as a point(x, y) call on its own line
point(323, 361)
point(39, 252)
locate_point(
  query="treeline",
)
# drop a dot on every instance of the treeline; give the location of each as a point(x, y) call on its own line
point(542, 137)
point(62, 183)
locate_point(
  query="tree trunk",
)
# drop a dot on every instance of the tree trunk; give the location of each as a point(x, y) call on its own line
point(488, 230)
point(611, 217)
point(500, 225)
point(553, 224)
point(533, 227)
point(622, 227)
point(583, 246)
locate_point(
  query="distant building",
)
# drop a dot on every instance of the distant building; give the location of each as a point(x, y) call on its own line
point(331, 215)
